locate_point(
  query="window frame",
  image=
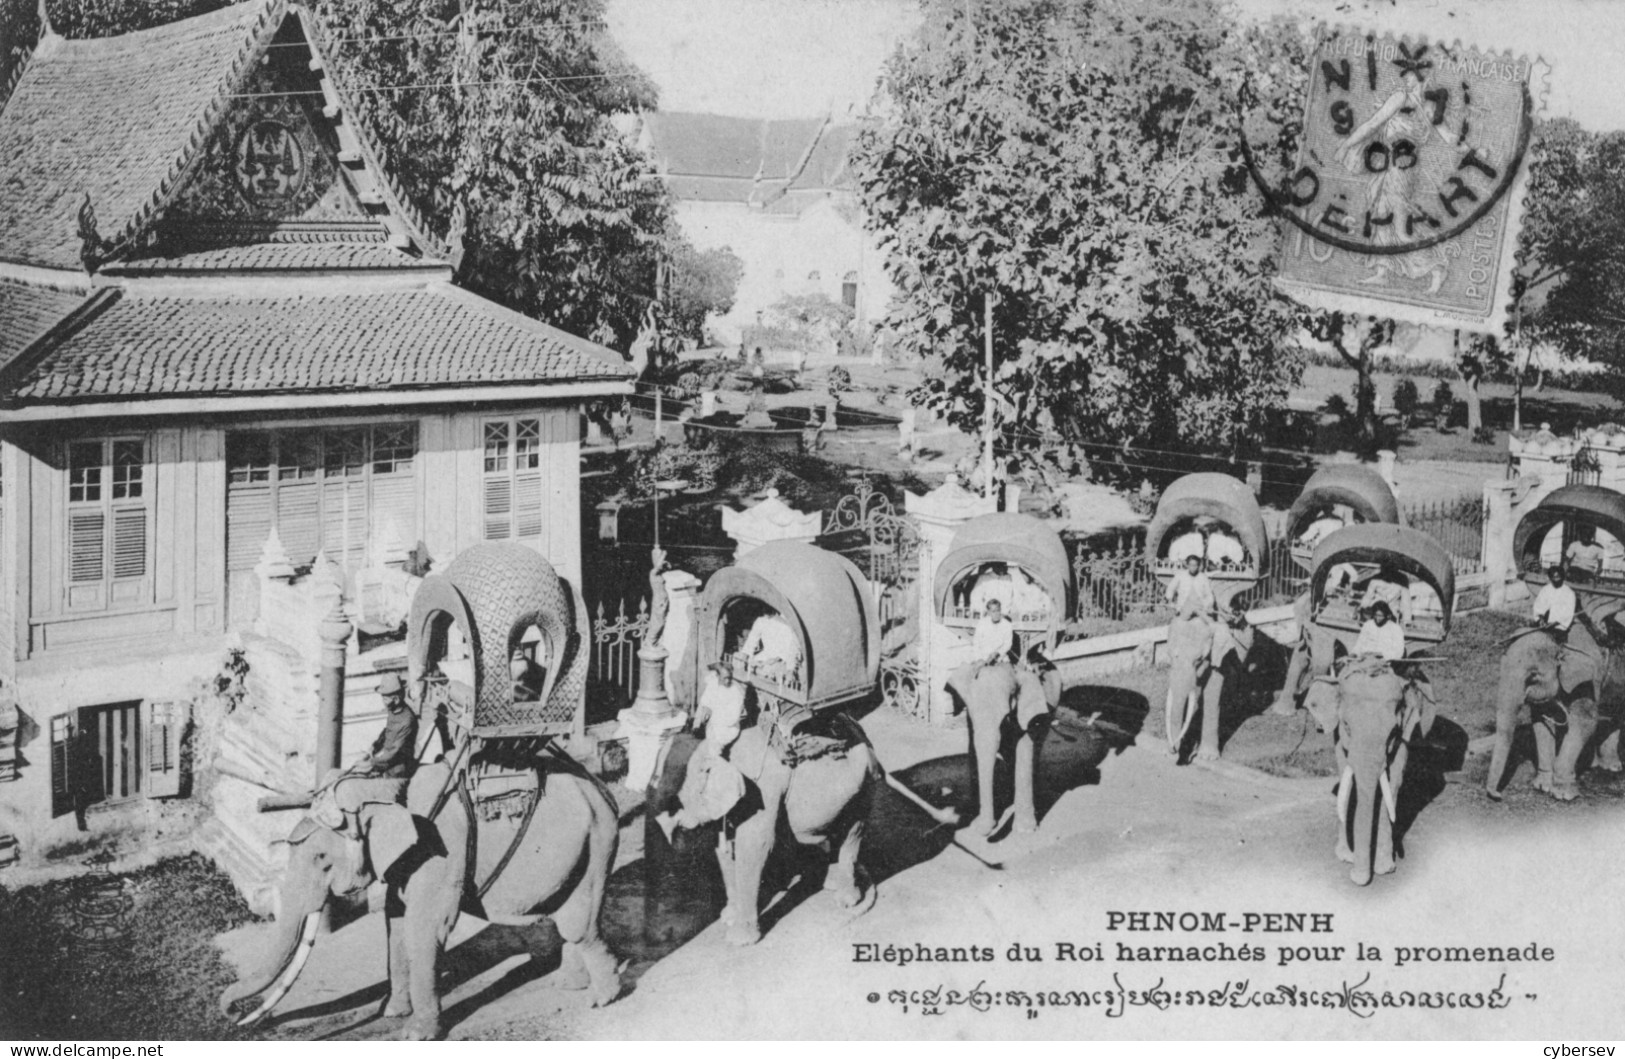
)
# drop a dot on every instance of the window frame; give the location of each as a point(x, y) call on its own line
point(113, 489)
point(513, 480)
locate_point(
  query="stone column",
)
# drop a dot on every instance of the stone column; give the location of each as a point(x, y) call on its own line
point(650, 721)
point(334, 630)
point(1499, 561)
point(1386, 459)
point(708, 404)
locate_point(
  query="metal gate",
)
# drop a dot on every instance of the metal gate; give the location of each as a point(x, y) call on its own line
point(866, 528)
point(615, 643)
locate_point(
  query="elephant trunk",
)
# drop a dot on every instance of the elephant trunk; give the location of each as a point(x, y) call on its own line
point(296, 945)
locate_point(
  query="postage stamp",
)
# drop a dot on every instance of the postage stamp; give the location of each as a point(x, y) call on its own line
point(1411, 171)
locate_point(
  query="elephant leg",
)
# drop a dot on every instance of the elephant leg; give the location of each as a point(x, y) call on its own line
point(725, 861)
point(1582, 725)
point(1286, 703)
point(984, 736)
point(1382, 857)
point(585, 953)
point(1026, 762)
point(1608, 752)
point(572, 970)
point(1212, 692)
point(400, 997)
point(423, 942)
point(753, 841)
point(1345, 851)
point(1545, 753)
point(842, 879)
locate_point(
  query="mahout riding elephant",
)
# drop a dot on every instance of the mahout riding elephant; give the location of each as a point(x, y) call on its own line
point(1203, 656)
point(558, 870)
point(1374, 713)
point(819, 800)
point(1563, 692)
point(1028, 691)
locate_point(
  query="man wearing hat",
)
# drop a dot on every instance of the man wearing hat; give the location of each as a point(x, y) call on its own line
point(394, 752)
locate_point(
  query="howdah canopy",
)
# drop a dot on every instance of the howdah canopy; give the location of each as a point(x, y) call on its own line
point(1573, 507)
point(1404, 550)
point(1013, 539)
point(824, 600)
point(1223, 499)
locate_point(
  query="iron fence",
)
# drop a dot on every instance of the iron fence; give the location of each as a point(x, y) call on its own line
point(615, 643)
point(1456, 524)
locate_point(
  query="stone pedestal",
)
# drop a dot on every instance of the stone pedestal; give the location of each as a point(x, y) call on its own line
point(938, 514)
point(334, 630)
point(1386, 460)
point(650, 722)
point(708, 404)
point(770, 520)
point(682, 588)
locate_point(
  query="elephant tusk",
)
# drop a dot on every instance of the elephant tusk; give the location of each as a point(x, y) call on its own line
point(941, 815)
point(307, 941)
point(1345, 788)
point(1387, 793)
point(1190, 715)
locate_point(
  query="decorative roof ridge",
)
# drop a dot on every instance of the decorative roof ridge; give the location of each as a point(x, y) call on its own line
point(371, 152)
point(264, 28)
point(23, 274)
point(801, 164)
point(43, 343)
point(587, 347)
point(210, 234)
point(17, 72)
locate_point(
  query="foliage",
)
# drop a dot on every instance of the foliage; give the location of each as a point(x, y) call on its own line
point(501, 134)
point(1443, 397)
point(1079, 164)
point(1573, 244)
point(840, 380)
point(158, 982)
point(699, 283)
point(817, 312)
point(1355, 339)
point(1406, 399)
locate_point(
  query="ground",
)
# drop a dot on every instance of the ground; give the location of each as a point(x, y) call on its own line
point(1122, 828)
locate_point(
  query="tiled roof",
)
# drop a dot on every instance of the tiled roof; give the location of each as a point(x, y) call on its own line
point(270, 248)
point(115, 119)
point(28, 311)
point(434, 336)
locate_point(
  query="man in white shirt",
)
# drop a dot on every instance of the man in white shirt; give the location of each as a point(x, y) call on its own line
point(995, 636)
point(1555, 603)
point(1381, 635)
point(1584, 555)
point(1191, 592)
point(712, 785)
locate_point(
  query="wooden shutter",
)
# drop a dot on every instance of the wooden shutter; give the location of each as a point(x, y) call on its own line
point(130, 543)
point(248, 523)
point(527, 503)
point(87, 547)
point(61, 777)
point(161, 726)
point(394, 502)
point(299, 518)
point(498, 508)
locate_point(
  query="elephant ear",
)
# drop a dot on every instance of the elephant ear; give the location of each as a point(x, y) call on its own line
point(391, 833)
point(1420, 710)
point(1321, 701)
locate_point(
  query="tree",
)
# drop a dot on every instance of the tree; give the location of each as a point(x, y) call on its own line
point(500, 132)
point(1571, 277)
point(699, 283)
point(1356, 339)
point(1078, 165)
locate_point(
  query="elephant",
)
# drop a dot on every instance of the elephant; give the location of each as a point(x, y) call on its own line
point(990, 694)
point(1203, 655)
point(1535, 687)
point(559, 868)
point(1374, 713)
point(823, 799)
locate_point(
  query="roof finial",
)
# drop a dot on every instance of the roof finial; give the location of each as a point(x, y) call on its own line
point(45, 28)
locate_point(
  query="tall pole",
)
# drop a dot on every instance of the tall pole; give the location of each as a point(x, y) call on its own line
point(987, 395)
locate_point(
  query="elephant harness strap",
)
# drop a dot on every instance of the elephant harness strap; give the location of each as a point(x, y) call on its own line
point(501, 795)
point(797, 733)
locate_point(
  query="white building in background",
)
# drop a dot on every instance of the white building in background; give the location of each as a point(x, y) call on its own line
point(781, 195)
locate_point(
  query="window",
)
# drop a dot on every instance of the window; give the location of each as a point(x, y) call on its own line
point(98, 753)
point(849, 290)
point(513, 479)
point(332, 490)
point(108, 518)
